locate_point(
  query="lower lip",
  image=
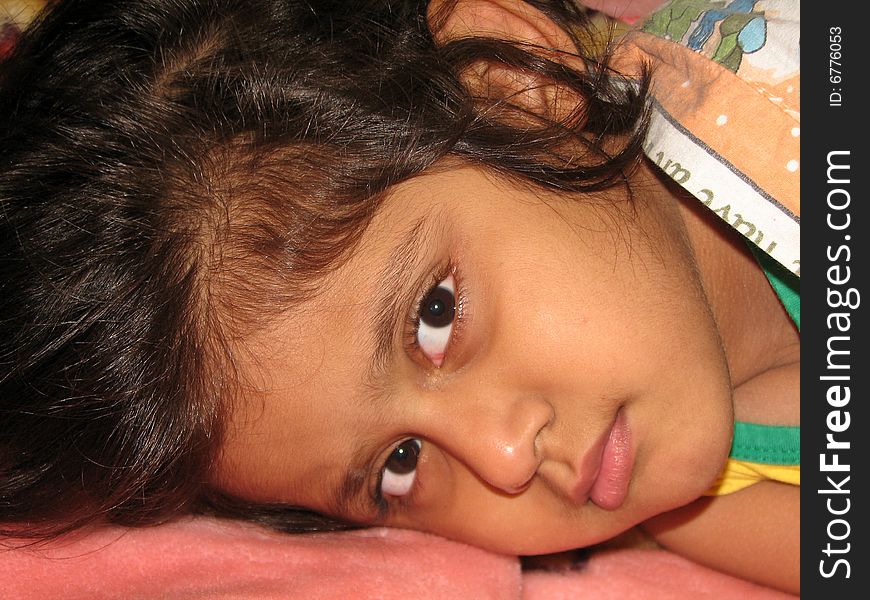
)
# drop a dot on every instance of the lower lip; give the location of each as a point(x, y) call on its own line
point(611, 486)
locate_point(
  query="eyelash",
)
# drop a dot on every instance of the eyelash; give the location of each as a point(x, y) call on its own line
point(381, 503)
point(412, 323)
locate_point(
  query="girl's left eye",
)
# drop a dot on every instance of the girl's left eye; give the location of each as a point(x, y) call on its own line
point(435, 321)
point(400, 470)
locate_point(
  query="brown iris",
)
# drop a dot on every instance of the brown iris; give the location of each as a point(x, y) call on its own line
point(403, 459)
point(438, 308)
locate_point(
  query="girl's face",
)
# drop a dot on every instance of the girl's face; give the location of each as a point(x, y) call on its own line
point(502, 366)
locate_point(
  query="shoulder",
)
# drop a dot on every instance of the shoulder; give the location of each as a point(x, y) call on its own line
point(753, 534)
point(773, 396)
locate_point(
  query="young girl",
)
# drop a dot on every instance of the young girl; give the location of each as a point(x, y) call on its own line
point(331, 264)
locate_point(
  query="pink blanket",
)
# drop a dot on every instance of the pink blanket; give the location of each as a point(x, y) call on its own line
point(222, 560)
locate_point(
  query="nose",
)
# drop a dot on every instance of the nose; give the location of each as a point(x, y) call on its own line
point(495, 437)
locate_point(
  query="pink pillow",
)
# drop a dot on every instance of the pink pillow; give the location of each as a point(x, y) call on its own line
point(215, 559)
point(627, 573)
point(199, 557)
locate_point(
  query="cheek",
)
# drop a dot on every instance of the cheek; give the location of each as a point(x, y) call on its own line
point(685, 431)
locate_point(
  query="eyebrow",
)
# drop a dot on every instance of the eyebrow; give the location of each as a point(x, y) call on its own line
point(393, 297)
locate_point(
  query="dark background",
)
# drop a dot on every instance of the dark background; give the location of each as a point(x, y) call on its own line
point(833, 128)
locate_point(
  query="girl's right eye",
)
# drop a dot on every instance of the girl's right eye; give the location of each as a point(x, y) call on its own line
point(401, 468)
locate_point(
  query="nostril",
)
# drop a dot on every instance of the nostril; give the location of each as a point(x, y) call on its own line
point(538, 442)
point(519, 490)
point(539, 434)
point(522, 487)
point(533, 466)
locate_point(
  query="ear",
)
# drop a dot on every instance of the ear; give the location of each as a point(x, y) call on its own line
point(516, 21)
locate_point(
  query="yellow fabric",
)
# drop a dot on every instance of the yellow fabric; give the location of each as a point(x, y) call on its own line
point(739, 474)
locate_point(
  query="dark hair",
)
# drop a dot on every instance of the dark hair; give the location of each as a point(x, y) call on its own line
point(172, 172)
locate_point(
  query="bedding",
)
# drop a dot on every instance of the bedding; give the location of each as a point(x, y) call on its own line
point(200, 557)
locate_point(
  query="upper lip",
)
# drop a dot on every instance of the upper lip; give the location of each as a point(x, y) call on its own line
point(588, 467)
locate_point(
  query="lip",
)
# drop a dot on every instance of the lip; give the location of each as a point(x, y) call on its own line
point(606, 468)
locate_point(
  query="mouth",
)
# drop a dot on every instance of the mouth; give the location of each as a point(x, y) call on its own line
point(607, 467)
